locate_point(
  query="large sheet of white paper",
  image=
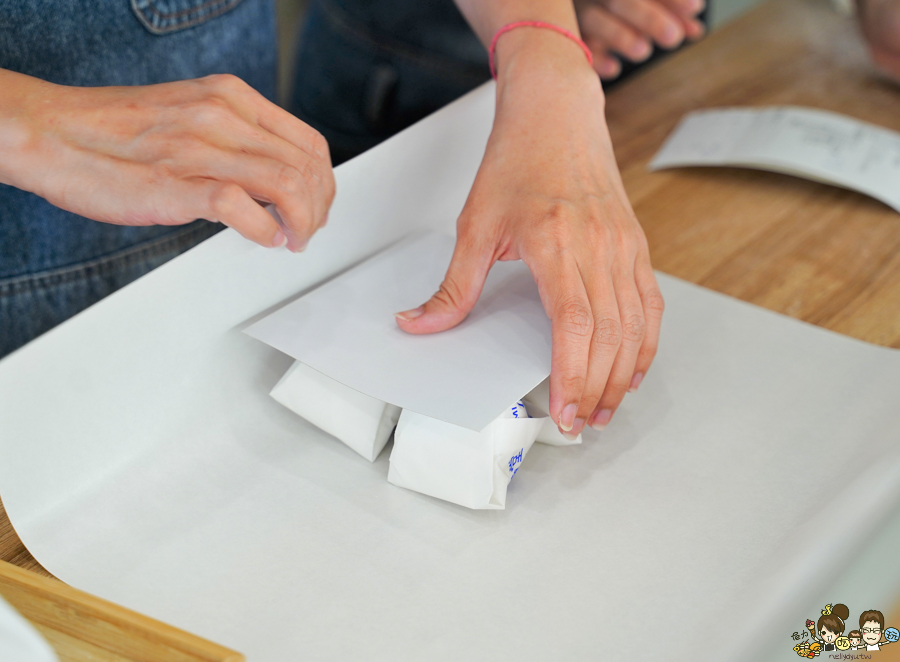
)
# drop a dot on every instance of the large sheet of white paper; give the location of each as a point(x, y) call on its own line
point(143, 461)
point(805, 142)
point(347, 331)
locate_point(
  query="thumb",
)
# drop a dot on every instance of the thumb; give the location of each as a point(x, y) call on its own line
point(457, 295)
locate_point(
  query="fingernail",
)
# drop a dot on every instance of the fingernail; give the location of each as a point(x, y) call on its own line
point(299, 246)
point(670, 35)
point(636, 381)
point(699, 5)
point(279, 240)
point(567, 417)
point(641, 51)
point(601, 420)
point(610, 69)
point(409, 315)
point(569, 436)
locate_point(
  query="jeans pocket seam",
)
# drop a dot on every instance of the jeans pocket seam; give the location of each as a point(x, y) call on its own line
point(162, 22)
point(98, 266)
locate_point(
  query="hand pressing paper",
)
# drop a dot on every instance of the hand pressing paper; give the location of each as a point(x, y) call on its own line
point(453, 463)
point(360, 421)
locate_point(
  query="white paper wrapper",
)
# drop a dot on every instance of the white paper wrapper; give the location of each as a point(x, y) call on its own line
point(472, 469)
point(537, 402)
point(361, 422)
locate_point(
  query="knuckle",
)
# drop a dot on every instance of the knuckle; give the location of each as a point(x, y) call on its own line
point(320, 146)
point(572, 383)
point(210, 111)
point(574, 316)
point(647, 354)
point(654, 304)
point(224, 200)
point(590, 397)
point(330, 191)
point(289, 180)
point(310, 176)
point(558, 218)
point(450, 295)
point(633, 328)
point(162, 172)
point(226, 82)
point(608, 332)
point(615, 392)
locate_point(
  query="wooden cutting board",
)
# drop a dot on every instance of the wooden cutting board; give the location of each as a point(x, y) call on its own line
point(83, 628)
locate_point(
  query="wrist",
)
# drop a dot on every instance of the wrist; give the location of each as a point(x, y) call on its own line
point(542, 59)
point(17, 115)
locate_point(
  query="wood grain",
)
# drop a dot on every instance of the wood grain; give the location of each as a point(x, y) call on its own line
point(83, 628)
point(823, 255)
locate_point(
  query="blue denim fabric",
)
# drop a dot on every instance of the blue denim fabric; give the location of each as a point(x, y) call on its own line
point(367, 69)
point(54, 263)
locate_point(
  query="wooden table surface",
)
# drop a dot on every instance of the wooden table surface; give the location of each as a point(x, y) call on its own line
point(820, 254)
point(83, 628)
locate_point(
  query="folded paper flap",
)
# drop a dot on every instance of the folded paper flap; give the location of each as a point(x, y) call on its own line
point(464, 376)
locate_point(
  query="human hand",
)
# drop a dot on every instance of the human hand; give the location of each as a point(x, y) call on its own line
point(880, 22)
point(629, 28)
point(549, 192)
point(167, 154)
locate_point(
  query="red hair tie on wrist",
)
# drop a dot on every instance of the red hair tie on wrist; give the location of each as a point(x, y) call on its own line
point(534, 24)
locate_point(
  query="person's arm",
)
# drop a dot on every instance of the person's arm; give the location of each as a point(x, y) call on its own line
point(166, 154)
point(549, 192)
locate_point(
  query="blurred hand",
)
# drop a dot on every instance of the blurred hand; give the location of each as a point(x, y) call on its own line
point(168, 154)
point(548, 192)
point(629, 28)
point(880, 21)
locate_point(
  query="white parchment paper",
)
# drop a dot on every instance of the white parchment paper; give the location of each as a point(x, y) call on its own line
point(143, 461)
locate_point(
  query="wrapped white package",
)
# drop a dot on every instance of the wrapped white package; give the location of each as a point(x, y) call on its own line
point(537, 402)
point(360, 421)
point(472, 469)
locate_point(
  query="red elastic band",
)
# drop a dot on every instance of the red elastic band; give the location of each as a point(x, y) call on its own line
point(534, 24)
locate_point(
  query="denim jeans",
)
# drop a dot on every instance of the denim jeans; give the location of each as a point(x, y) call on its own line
point(54, 263)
